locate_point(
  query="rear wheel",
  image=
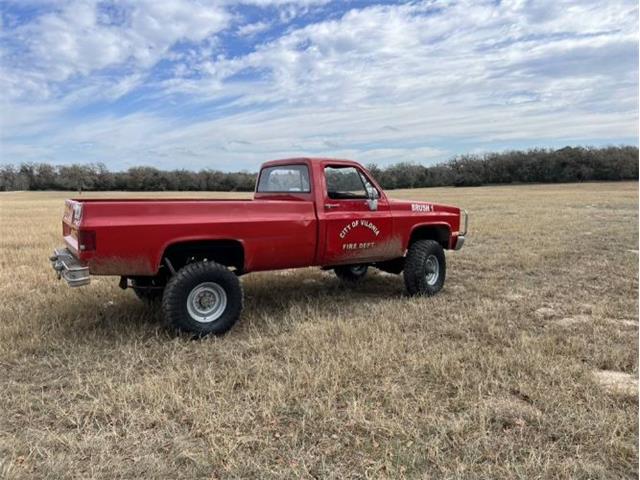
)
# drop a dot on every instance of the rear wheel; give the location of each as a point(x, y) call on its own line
point(203, 298)
point(425, 268)
point(351, 273)
point(148, 295)
point(149, 289)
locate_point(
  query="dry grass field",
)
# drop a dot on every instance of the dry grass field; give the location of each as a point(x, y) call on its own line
point(525, 366)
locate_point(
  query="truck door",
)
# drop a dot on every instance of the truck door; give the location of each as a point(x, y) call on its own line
point(359, 228)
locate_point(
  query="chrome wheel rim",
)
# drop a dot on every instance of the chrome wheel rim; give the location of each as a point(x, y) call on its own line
point(207, 302)
point(359, 269)
point(432, 270)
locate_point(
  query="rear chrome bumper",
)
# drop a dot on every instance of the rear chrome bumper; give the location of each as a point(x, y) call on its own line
point(69, 267)
point(459, 242)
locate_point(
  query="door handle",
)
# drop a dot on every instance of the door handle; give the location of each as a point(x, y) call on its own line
point(330, 206)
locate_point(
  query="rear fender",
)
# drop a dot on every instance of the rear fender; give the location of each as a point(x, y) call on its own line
point(229, 252)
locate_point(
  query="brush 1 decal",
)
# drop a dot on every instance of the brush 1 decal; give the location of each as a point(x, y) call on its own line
point(421, 207)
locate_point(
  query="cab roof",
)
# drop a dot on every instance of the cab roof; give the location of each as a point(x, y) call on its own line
point(308, 161)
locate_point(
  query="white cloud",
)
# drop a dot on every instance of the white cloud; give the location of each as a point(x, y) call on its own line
point(251, 29)
point(77, 39)
point(382, 83)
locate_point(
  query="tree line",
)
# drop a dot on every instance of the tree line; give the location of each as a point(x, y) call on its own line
point(569, 164)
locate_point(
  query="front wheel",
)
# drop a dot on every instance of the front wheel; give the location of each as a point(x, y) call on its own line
point(351, 273)
point(203, 298)
point(425, 268)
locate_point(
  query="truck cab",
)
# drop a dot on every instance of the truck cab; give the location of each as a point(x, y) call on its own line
point(357, 222)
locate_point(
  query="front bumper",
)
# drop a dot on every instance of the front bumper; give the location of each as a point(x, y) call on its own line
point(463, 233)
point(69, 267)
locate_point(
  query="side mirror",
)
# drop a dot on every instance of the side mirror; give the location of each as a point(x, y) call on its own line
point(372, 201)
point(373, 204)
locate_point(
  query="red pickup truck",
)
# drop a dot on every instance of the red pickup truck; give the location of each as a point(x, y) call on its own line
point(190, 253)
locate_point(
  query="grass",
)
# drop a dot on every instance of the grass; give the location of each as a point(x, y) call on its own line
point(496, 377)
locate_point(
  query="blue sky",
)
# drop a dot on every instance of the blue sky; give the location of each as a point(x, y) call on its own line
point(228, 84)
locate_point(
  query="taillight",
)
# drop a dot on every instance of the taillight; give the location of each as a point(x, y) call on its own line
point(86, 240)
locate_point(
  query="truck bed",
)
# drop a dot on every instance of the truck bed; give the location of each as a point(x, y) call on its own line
point(132, 234)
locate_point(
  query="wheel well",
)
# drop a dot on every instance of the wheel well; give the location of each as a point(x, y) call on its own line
point(225, 252)
point(439, 233)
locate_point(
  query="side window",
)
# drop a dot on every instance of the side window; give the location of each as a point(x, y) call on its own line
point(344, 183)
point(284, 179)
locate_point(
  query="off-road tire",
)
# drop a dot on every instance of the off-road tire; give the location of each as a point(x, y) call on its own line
point(148, 295)
point(149, 289)
point(192, 277)
point(417, 269)
point(351, 273)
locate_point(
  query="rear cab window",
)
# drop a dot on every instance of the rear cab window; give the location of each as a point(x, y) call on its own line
point(347, 183)
point(284, 179)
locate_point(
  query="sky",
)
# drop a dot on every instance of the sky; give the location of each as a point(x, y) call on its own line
point(228, 84)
